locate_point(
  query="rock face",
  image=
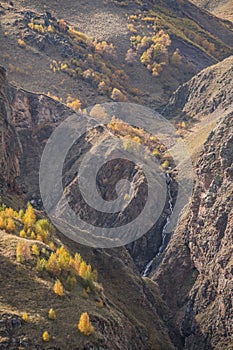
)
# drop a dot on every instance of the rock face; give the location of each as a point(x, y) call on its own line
point(208, 92)
point(10, 146)
point(27, 121)
point(209, 311)
point(195, 275)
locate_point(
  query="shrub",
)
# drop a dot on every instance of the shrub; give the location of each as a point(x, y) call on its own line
point(95, 275)
point(85, 325)
point(62, 25)
point(33, 235)
point(50, 29)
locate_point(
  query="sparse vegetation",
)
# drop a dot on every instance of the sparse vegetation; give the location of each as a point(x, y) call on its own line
point(132, 136)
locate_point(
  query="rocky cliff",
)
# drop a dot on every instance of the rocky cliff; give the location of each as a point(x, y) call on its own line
point(195, 275)
point(10, 147)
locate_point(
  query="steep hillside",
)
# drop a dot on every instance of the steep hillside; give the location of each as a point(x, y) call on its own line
point(124, 311)
point(165, 290)
point(222, 9)
point(206, 95)
point(84, 52)
point(210, 4)
point(196, 272)
point(195, 275)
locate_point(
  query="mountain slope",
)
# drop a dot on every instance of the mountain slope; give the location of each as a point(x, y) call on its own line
point(206, 94)
point(200, 38)
point(131, 313)
point(222, 9)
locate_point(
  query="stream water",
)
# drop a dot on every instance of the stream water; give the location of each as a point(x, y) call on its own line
point(164, 233)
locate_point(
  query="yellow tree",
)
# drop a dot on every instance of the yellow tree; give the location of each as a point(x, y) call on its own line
point(58, 288)
point(75, 263)
point(23, 252)
point(52, 314)
point(82, 269)
point(10, 227)
point(45, 336)
point(85, 325)
point(22, 234)
point(25, 317)
point(35, 250)
point(63, 258)
point(53, 265)
point(29, 218)
point(2, 222)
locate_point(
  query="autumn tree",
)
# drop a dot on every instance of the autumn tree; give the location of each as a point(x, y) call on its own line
point(52, 314)
point(75, 263)
point(58, 288)
point(29, 218)
point(35, 250)
point(63, 258)
point(45, 336)
point(23, 252)
point(10, 226)
point(53, 265)
point(25, 317)
point(85, 325)
point(2, 222)
point(82, 269)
